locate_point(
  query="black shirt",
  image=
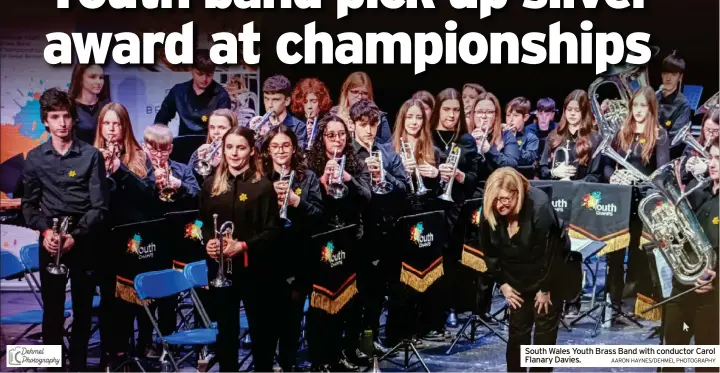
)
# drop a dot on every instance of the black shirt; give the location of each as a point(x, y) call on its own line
point(193, 109)
point(467, 164)
point(673, 112)
point(185, 197)
point(590, 172)
point(525, 260)
point(659, 156)
point(86, 120)
point(58, 185)
point(132, 199)
point(349, 208)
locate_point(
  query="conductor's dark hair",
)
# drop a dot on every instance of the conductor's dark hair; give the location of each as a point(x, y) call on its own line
point(54, 100)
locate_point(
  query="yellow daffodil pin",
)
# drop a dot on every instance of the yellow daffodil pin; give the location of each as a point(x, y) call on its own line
point(298, 191)
point(716, 220)
point(642, 141)
point(519, 142)
point(668, 123)
point(72, 173)
point(243, 197)
point(204, 118)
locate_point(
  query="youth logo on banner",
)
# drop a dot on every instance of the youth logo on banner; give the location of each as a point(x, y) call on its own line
point(143, 252)
point(417, 236)
point(330, 257)
point(593, 201)
point(601, 212)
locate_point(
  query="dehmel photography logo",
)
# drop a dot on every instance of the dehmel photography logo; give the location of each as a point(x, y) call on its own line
point(34, 356)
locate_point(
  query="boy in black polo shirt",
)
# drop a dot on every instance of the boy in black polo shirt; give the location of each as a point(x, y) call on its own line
point(196, 99)
point(65, 178)
point(277, 92)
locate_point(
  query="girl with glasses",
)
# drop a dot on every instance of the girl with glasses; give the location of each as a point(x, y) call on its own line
point(356, 87)
point(498, 147)
point(710, 131)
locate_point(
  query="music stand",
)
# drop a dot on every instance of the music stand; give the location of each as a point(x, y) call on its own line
point(470, 214)
point(144, 247)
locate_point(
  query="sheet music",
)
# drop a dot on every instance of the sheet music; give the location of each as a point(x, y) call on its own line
point(578, 244)
point(664, 273)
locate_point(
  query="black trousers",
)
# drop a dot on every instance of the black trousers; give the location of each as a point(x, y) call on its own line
point(638, 273)
point(290, 325)
point(521, 327)
point(53, 297)
point(325, 332)
point(414, 314)
point(700, 313)
point(373, 287)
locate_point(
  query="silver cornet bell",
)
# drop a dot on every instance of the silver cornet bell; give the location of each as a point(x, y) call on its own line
point(408, 153)
point(453, 159)
point(204, 165)
point(289, 178)
point(382, 186)
point(220, 280)
point(57, 268)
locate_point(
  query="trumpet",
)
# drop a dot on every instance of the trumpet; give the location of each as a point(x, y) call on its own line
point(408, 153)
point(204, 165)
point(57, 268)
point(453, 159)
point(336, 188)
point(480, 140)
point(114, 148)
point(227, 228)
point(382, 186)
point(167, 192)
point(257, 122)
point(313, 132)
point(288, 177)
point(565, 152)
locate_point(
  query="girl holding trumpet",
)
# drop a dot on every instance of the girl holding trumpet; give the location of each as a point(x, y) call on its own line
point(498, 147)
point(204, 160)
point(301, 203)
point(238, 193)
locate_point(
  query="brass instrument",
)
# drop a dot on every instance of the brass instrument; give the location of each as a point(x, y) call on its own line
point(676, 231)
point(227, 229)
point(382, 186)
point(167, 192)
point(204, 165)
point(289, 178)
point(408, 153)
point(114, 148)
point(712, 103)
point(57, 268)
point(336, 188)
point(565, 152)
point(628, 175)
point(480, 140)
point(257, 122)
point(313, 132)
point(686, 137)
point(453, 159)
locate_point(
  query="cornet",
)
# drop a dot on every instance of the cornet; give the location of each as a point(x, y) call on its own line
point(114, 149)
point(452, 159)
point(480, 140)
point(220, 280)
point(204, 165)
point(408, 153)
point(382, 186)
point(336, 188)
point(167, 192)
point(57, 268)
point(565, 152)
point(289, 179)
point(256, 123)
point(313, 132)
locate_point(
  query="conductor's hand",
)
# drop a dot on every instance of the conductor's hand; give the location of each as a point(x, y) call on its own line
point(512, 296)
point(51, 242)
point(707, 279)
point(213, 248)
point(542, 302)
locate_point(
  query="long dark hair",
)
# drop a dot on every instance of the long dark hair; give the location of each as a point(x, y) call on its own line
point(446, 95)
point(627, 131)
point(316, 158)
point(296, 160)
point(562, 132)
point(76, 82)
point(221, 179)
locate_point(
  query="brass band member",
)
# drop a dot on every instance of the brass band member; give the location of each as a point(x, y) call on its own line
point(517, 113)
point(89, 93)
point(277, 92)
point(520, 235)
point(219, 123)
point(310, 100)
point(575, 134)
point(428, 101)
point(470, 93)
point(376, 265)
point(125, 162)
point(281, 154)
point(237, 192)
point(545, 115)
point(325, 331)
point(497, 147)
point(698, 310)
point(646, 146)
point(674, 109)
point(709, 132)
point(356, 87)
point(65, 177)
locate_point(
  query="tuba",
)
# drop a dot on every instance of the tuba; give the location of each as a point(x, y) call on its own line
point(675, 230)
point(563, 151)
point(628, 175)
point(382, 186)
point(57, 268)
point(220, 281)
point(286, 177)
point(408, 153)
point(204, 165)
point(453, 159)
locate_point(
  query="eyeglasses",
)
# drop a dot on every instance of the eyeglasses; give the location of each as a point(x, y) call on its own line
point(505, 200)
point(712, 131)
point(158, 151)
point(484, 113)
point(359, 92)
point(333, 135)
point(275, 147)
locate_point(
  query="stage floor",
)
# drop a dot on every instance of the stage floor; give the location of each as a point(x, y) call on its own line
point(486, 355)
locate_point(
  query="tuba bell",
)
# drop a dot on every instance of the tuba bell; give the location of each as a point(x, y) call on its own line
point(712, 103)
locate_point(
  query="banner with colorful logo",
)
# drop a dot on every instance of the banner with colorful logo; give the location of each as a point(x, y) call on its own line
point(472, 255)
point(601, 212)
point(421, 240)
point(185, 238)
point(335, 277)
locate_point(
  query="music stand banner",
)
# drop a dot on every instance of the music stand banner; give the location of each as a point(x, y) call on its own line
point(562, 193)
point(185, 238)
point(144, 248)
point(472, 255)
point(335, 276)
point(421, 238)
point(601, 212)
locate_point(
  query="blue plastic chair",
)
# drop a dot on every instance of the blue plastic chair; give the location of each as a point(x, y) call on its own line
point(166, 283)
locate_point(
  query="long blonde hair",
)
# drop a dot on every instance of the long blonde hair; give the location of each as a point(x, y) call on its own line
point(133, 156)
point(221, 183)
point(424, 151)
point(227, 114)
point(508, 179)
point(356, 79)
point(496, 126)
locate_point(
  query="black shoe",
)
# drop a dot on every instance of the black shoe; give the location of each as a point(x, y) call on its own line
point(343, 365)
point(380, 350)
point(356, 357)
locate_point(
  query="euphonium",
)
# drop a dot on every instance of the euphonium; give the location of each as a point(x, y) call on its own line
point(313, 132)
point(452, 159)
point(289, 178)
point(408, 153)
point(712, 102)
point(675, 230)
point(336, 188)
point(628, 175)
point(57, 268)
point(220, 280)
point(204, 165)
point(382, 186)
point(167, 192)
point(565, 152)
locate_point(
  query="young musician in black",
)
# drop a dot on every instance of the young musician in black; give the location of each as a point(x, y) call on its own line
point(646, 146)
point(545, 115)
point(695, 315)
point(708, 133)
point(130, 198)
point(517, 113)
point(302, 202)
point(277, 96)
point(310, 100)
point(497, 147)
point(193, 101)
point(65, 178)
point(521, 238)
point(346, 193)
point(389, 188)
point(220, 122)
point(575, 134)
point(89, 93)
point(237, 192)
point(674, 109)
